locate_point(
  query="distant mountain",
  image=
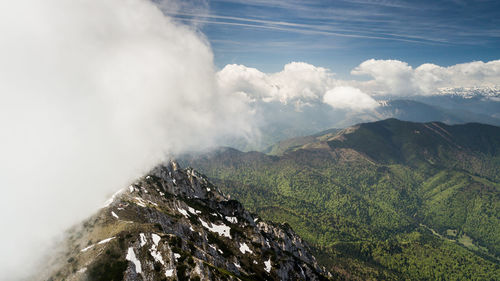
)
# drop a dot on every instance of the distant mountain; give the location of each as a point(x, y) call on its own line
point(280, 122)
point(173, 224)
point(387, 200)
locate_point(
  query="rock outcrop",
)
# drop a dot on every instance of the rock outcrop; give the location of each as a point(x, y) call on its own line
point(173, 224)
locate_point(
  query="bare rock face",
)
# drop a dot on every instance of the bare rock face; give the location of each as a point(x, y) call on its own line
point(173, 224)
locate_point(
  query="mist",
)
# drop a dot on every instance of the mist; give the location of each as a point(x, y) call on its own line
point(93, 94)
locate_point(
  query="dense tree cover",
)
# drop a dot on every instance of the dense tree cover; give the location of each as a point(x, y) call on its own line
point(388, 200)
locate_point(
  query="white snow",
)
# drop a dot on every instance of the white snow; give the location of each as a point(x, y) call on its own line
point(148, 177)
point(87, 248)
point(156, 238)
point(154, 250)
point(237, 264)
point(110, 200)
point(114, 215)
point(255, 262)
point(193, 211)
point(140, 202)
point(268, 265)
point(169, 272)
point(162, 194)
point(143, 239)
point(176, 256)
point(131, 257)
point(131, 188)
point(222, 229)
point(152, 203)
point(191, 228)
point(156, 255)
point(105, 241)
point(244, 248)
point(183, 212)
point(82, 270)
point(232, 219)
point(255, 220)
point(174, 181)
point(208, 188)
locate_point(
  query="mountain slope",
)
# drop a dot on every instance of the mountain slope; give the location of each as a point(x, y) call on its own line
point(380, 200)
point(174, 225)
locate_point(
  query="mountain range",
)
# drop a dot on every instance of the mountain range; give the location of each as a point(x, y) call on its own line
point(278, 121)
point(387, 200)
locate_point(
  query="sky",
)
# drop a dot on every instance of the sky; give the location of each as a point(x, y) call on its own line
point(340, 34)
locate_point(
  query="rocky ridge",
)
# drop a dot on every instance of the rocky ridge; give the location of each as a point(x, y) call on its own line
point(173, 224)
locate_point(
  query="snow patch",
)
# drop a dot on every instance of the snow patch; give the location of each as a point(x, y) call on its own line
point(183, 212)
point(105, 241)
point(110, 200)
point(222, 229)
point(156, 238)
point(193, 211)
point(154, 249)
point(143, 239)
point(140, 202)
point(232, 219)
point(114, 215)
point(87, 248)
point(268, 265)
point(131, 257)
point(169, 272)
point(176, 256)
point(244, 248)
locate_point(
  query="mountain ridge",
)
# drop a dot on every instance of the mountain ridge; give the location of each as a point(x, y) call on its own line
point(174, 224)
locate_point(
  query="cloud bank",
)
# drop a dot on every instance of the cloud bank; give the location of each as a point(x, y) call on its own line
point(302, 83)
point(92, 94)
point(397, 78)
point(345, 97)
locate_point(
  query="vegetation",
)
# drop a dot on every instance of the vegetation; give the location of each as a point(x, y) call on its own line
point(384, 200)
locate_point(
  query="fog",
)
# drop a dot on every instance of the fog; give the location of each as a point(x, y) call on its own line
point(92, 94)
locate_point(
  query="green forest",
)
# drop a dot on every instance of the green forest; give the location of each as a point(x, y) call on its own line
point(388, 200)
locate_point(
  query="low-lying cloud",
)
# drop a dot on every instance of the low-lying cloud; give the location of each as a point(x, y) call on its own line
point(302, 83)
point(92, 94)
point(297, 81)
point(345, 97)
point(397, 78)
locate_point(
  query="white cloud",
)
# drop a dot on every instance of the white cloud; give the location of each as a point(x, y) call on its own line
point(297, 81)
point(397, 78)
point(389, 76)
point(302, 83)
point(92, 94)
point(345, 97)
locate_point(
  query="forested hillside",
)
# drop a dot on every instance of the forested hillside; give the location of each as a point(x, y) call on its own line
point(382, 200)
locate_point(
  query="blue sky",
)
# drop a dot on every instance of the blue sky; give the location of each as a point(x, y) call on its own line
point(340, 34)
